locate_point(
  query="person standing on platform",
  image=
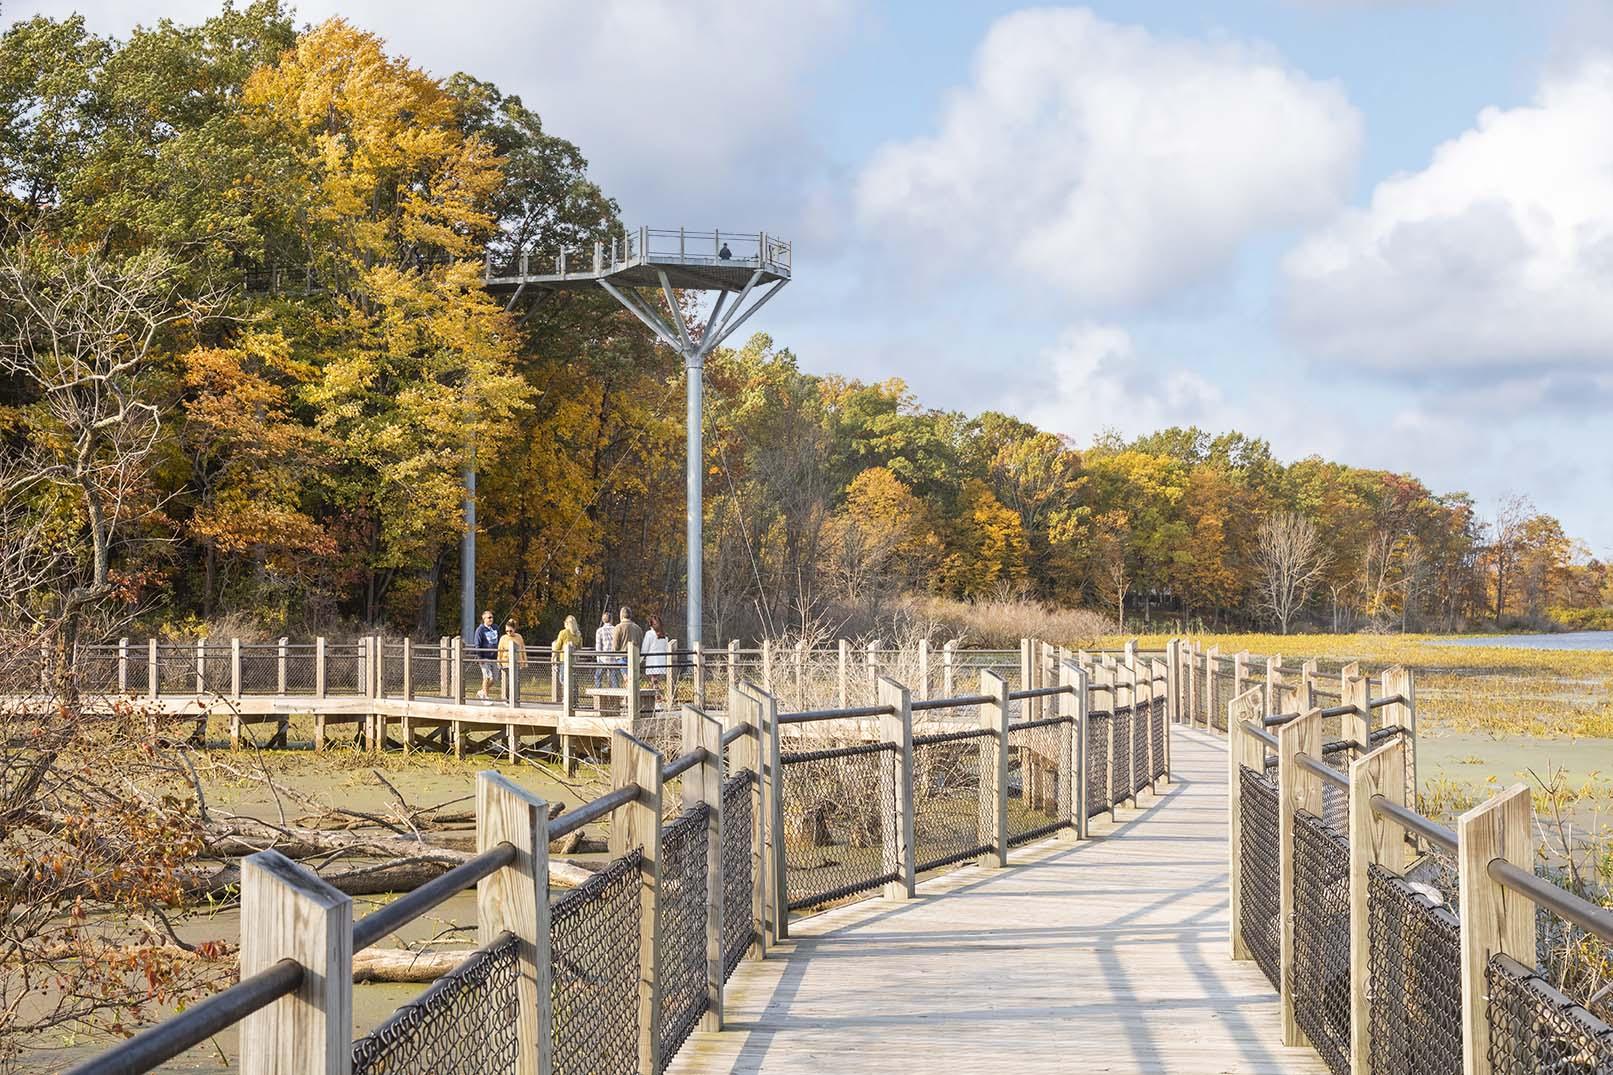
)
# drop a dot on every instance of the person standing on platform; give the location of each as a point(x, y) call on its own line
point(627, 631)
point(656, 664)
point(512, 645)
point(604, 642)
point(484, 642)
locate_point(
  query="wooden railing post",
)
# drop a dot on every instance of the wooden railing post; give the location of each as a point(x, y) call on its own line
point(1103, 679)
point(123, 665)
point(1297, 789)
point(994, 771)
point(1495, 919)
point(1195, 704)
point(201, 666)
point(1274, 685)
point(1399, 680)
point(287, 912)
point(512, 677)
point(949, 669)
point(153, 667)
point(1240, 672)
point(1126, 698)
point(767, 665)
point(1072, 789)
point(321, 669)
point(703, 784)
point(1173, 668)
point(1306, 696)
point(1242, 750)
point(568, 703)
point(745, 753)
point(733, 663)
point(235, 669)
point(408, 671)
point(772, 773)
point(1027, 667)
point(699, 672)
point(1373, 842)
point(1353, 690)
point(1212, 662)
point(280, 666)
point(630, 678)
point(445, 674)
point(896, 790)
point(924, 669)
point(874, 646)
point(516, 899)
point(457, 655)
point(638, 825)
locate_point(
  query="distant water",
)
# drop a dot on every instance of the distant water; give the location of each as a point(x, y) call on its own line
point(1566, 640)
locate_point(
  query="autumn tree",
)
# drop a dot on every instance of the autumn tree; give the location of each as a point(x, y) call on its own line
point(389, 199)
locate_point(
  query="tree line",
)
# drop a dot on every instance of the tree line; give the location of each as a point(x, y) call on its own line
point(245, 359)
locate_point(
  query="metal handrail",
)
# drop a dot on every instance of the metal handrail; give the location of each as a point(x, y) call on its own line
point(1039, 692)
point(854, 713)
point(161, 1043)
point(1412, 821)
point(1556, 899)
point(952, 703)
point(569, 823)
point(684, 762)
point(738, 731)
point(400, 912)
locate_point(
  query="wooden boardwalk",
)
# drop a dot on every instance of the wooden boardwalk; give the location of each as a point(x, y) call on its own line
point(1105, 956)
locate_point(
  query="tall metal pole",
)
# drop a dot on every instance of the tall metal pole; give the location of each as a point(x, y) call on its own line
point(467, 557)
point(695, 363)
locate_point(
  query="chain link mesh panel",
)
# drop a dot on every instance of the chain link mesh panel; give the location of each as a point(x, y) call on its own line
point(738, 827)
point(1535, 1029)
point(1035, 750)
point(835, 802)
point(1321, 967)
point(1098, 724)
point(1123, 754)
point(1257, 858)
point(1222, 684)
point(946, 797)
point(684, 844)
point(463, 1024)
point(1142, 716)
point(1414, 980)
point(594, 939)
point(1158, 730)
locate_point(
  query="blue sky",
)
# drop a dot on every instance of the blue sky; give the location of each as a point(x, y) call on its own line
point(1379, 231)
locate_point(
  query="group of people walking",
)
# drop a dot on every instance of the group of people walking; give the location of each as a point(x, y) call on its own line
point(494, 651)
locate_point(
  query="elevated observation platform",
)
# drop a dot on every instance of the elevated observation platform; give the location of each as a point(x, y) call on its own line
point(689, 260)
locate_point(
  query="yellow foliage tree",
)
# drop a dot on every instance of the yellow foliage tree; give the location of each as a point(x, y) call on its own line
point(386, 197)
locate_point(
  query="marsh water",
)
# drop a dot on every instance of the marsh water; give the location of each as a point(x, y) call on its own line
point(1574, 640)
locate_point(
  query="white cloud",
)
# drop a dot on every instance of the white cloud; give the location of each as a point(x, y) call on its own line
point(688, 110)
point(1096, 380)
point(1109, 162)
point(1498, 255)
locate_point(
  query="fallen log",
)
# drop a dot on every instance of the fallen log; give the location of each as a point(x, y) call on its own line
point(403, 965)
point(403, 875)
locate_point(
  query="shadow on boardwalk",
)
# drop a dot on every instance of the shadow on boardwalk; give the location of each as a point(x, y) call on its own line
point(1104, 956)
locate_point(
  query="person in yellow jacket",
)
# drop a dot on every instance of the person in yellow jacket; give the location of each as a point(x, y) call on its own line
point(511, 644)
point(570, 635)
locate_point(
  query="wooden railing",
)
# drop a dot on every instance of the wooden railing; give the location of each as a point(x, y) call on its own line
point(614, 975)
point(1397, 945)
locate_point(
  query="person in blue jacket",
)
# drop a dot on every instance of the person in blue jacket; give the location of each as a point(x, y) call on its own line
point(485, 645)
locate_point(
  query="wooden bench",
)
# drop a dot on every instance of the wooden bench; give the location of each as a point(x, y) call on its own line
point(614, 699)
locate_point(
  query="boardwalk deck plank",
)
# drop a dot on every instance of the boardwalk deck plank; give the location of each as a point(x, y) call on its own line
point(1107, 956)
